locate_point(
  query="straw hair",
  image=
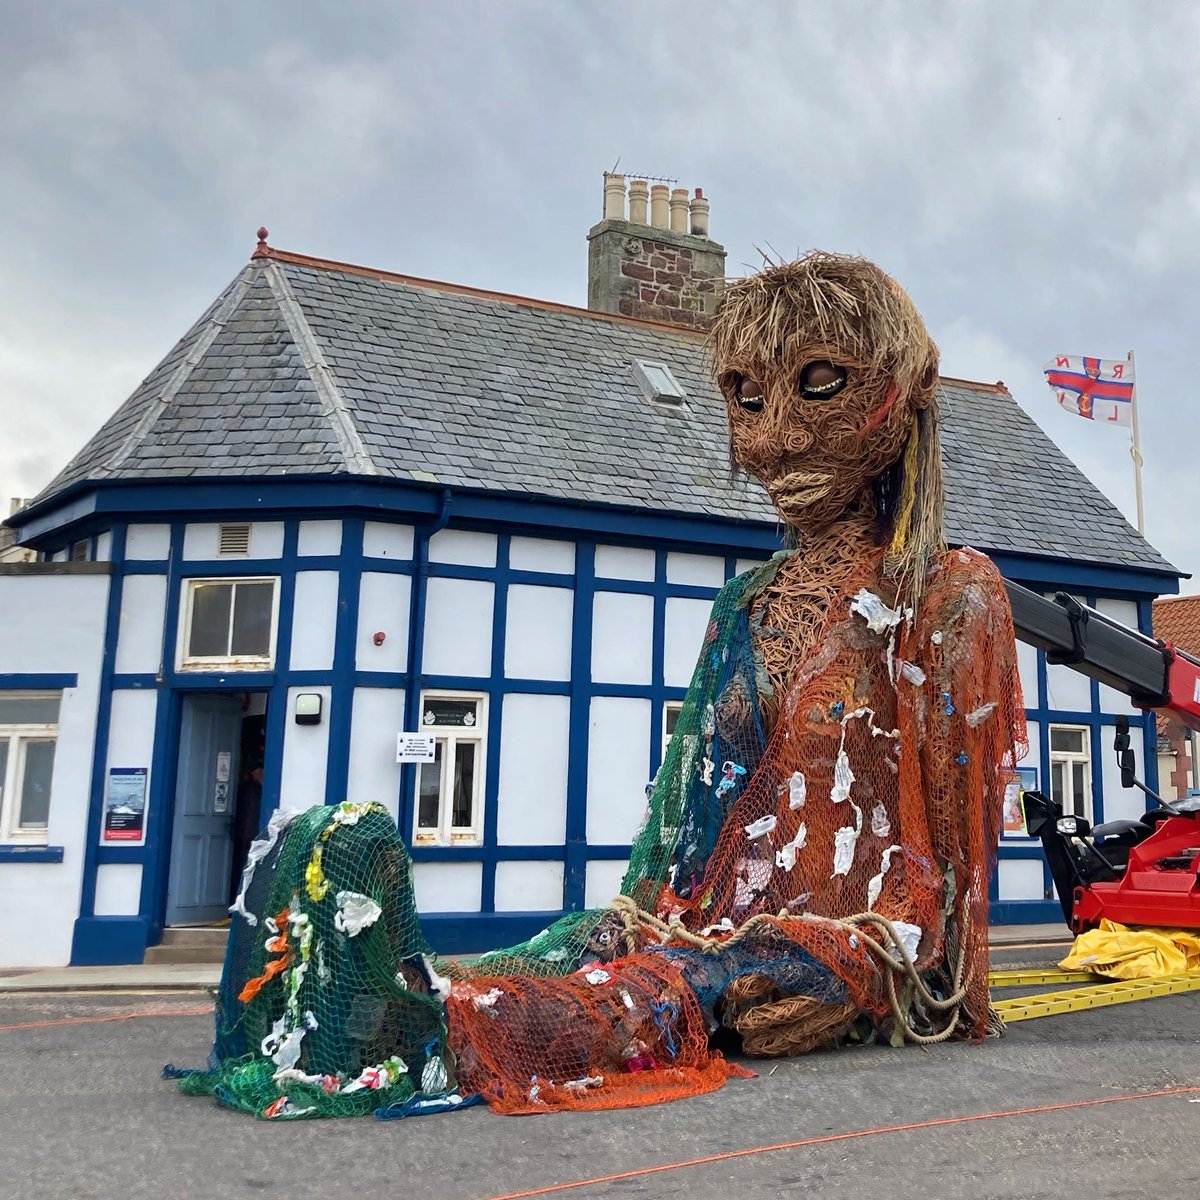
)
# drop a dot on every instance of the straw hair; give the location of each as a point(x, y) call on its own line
point(846, 310)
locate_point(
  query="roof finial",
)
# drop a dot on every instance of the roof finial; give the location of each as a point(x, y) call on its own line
point(262, 250)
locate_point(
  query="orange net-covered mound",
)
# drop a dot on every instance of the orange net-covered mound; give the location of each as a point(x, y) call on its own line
point(613, 1035)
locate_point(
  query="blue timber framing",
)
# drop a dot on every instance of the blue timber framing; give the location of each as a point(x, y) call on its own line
point(94, 511)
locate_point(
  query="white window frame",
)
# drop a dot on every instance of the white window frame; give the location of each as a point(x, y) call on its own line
point(1067, 759)
point(669, 706)
point(17, 736)
point(225, 662)
point(448, 737)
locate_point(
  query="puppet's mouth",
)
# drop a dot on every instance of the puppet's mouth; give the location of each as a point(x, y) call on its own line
point(800, 488)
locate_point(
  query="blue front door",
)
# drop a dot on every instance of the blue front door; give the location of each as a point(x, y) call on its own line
point(205, 786)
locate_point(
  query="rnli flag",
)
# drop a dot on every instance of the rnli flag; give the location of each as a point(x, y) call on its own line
point(1100, 389)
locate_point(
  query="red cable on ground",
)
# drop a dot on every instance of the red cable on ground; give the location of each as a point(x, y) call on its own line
point(132, 1016)
point(842, 1137)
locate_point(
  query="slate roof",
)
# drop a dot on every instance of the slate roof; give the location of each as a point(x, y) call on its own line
point(308, 367)
point(1177, 620)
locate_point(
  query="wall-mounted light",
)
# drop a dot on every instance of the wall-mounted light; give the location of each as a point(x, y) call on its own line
point(308, 708)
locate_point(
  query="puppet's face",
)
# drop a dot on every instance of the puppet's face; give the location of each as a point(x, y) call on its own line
point(814, 435)
point(823, 364)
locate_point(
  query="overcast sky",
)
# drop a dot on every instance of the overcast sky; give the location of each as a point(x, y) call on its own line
point(1029, 171)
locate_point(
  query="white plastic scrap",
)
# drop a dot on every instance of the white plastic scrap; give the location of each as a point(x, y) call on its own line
point(581, 1085)
point(554, 955)
point(912, 673)
point(878, 616)
point(487, 999)
point(439, 984)
point(259, 849)
point(910, 939)
point(876, 884)
point(347, 813)
point(844, 841)
point(936, 637)
point(433, 1077)
point(761, 827)
point(785, 856)
point(283, 1048)
point(724, 925)
point(355, 912)
point(596, 976)
point(977, 718)
point(843, 776)
point(797, 790)
point(881, 827)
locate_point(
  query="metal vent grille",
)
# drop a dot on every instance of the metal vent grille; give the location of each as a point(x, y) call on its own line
point(234, 539)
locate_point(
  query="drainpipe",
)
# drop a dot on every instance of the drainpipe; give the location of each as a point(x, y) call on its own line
point(416, 641)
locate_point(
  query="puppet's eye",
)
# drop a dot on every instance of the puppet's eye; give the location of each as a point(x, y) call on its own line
point(749, 395)
point(820, 380)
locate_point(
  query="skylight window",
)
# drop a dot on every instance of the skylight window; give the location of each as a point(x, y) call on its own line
point(657, 383)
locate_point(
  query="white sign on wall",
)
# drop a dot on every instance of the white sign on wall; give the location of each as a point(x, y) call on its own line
point(224, 759)
point(415, 747)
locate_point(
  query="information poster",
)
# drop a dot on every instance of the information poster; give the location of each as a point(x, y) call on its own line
point(125, 805)
point(415, 747)
point(1022, 780)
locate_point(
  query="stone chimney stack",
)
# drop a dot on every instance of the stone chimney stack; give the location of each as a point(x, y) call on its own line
point(662, 269)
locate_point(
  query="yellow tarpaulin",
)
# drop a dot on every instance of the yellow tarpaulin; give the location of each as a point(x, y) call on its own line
point(1118, 952)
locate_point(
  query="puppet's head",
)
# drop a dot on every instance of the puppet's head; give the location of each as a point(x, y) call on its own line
point(829, 376)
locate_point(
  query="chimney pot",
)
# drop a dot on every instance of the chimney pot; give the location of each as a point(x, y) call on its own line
point(614, 197)
point(699, 212)
point(679, 210)
point(659, 206)
point(639, 191)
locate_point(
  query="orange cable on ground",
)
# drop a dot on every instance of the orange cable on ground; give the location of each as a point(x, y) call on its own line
point(132, 1016)
point(842, 1137)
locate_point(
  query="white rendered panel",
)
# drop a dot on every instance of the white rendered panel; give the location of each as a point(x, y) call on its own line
point(319, 537)
point(624, 562)
point(687, 623)
point(1067, 689)
point(118, 889)
point(140, 637)
point(532, 802)
point(696, 570)
point(458, 627)
point(622, 637)
point(537, 641)
point(305, 755)
point(1020, 879)
point(1033, 733)
point(1027, 661)
point(447, 887)
point(747, 564)
point(618, 764)
point(383, 540)
point(463, 547)
point(541, 554)
point(314, 620)
point(602, 882)
point(383, 607)
point(147, 543)
point(1120, 803)
point(104, 546)
point(529, 887)
point(377, 717)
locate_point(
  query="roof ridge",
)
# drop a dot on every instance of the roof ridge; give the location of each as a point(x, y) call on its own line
point(463, 289)
point(333, 404)
point(226, 305)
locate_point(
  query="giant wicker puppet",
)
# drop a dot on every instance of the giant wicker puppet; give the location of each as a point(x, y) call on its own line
point(814, 862)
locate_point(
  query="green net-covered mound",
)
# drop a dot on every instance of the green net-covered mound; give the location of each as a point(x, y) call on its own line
point(330, 1004)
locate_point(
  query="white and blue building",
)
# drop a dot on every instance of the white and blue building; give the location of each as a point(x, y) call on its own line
point(350, 505)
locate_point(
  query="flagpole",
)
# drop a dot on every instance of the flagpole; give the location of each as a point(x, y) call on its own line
point(1135, 449)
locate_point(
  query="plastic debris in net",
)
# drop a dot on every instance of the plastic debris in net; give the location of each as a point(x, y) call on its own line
point(785, 856)
point(876, 884)
point(976, 718)
point(843, 777)
point(881, 827)
point(912, 673)
point(355, 912)
point(761, 827)
point(845, 839)
point(797, 790)
point(879, 616)
point(262, 846)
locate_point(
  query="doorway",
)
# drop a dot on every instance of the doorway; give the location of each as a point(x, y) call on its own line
point(218, 790)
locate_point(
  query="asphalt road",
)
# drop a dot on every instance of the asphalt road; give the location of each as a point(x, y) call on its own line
point(84, 1114)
